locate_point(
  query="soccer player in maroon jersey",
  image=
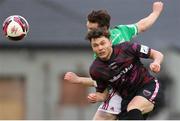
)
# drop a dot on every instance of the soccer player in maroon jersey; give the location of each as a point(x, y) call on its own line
point(121, 33)
point(120, 67)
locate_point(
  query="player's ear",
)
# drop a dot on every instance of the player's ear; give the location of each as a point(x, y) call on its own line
point(110, 42)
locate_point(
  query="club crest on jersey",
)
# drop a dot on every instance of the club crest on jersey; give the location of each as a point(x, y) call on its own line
point(146, 93)
point(144, 49)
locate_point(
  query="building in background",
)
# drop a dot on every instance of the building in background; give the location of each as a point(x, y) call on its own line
point(31, 71)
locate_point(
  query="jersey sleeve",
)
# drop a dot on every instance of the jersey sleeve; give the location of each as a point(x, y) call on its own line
point(138, 50)
point(129, 31)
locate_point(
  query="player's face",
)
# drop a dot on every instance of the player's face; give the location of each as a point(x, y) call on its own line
point(102, 47)
point(91, 25)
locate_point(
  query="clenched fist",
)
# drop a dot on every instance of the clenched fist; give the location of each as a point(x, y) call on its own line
point(158, 6)
point(71, 77)
point(155, 67)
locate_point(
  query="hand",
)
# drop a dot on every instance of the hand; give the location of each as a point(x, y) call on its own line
point(158, 6)
point(155, 67)
point(97, 97)
point(72, 77)
point(92, 98)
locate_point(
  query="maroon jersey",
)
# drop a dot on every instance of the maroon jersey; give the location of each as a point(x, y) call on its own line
point(124, 71)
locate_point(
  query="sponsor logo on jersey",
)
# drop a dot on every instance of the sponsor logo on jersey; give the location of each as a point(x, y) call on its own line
point(125, 70)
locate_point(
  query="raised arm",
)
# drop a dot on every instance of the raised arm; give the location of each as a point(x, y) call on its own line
point(147, 22)
point(157, 57)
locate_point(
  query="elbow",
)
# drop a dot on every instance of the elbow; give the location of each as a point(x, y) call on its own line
point(156, 55)
point(142, 27)
point(162, 57)
point(160, 54)
point(142, 30)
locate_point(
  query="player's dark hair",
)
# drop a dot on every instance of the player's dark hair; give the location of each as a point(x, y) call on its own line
point(101, 17)
point(96, 33)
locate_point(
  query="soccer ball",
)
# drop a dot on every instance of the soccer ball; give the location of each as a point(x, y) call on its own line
point(15, 27)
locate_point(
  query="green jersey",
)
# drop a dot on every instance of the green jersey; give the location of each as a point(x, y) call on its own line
point(122, 33)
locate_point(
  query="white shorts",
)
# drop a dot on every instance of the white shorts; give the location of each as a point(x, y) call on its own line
point(112, 104)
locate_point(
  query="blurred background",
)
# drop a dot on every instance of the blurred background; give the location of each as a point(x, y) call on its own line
point(32, 70)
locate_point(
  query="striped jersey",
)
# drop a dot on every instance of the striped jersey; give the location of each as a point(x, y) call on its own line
point(124, 71)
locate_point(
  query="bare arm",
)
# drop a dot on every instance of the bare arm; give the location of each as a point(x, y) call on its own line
point(157, 60)
point(147, 22)
point(74, 78)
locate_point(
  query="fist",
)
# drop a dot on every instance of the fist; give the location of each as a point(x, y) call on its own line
point(92, 98)
point(155, 67)
point(158, 6)
point(71, 77)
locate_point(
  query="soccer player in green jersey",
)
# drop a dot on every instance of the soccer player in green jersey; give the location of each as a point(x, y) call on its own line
point(109, 109)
